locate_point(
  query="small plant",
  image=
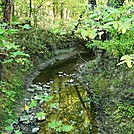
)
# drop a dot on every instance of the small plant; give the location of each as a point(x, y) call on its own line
point(59, 127)
point(128, 59)
point(40, 116)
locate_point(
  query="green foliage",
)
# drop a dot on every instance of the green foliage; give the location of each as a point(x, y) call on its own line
point(18, 132)
point(117, 23)
point(33, 103)
point(127, 59)
point(53, 105)
point(9, 50)
point(45, 98)
point(9, 128)
point(60, 127)
point(112, 89)
point(40, 115)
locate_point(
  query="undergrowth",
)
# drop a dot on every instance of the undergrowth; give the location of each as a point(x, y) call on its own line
point(111, 89)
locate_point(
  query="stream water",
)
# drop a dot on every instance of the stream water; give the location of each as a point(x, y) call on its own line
point(70, 106)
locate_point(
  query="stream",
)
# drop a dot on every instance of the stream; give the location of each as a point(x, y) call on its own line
point(69, 110)
point(56, 103)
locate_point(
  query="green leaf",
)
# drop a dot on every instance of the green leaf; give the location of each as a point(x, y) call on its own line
point(124, 29)
point(52, 125)
point(92, 33)
point(19, 53)
point(26, 26)
point(128, 59)
point(53, 105)
point(129, 63)
point(55, 124)
point(84, 33)
point(40, 115)
point(9, 128)
point(130, 91)
point(67, 128)
point(7, 61)
point(11, 31)
point(45, 98)
point(115, 25)
point(3, 24)
point(100, 34)
point(2, 31)
point(18, 132)
point(9, 46)
point(33, 103)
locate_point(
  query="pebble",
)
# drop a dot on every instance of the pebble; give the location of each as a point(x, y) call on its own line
point(51, 82)
point(25, 118)
point(48, 83)
point(60, 75)
point(60, 72)
point(46, 94)
point(26, 99)
point(46, 86)
point(65, 74)
point(35, 130)
point(72, 74)
point(37, 97)
point(33, 86)
point(71, 81)
point(30, 90)
point(39, 88)
point(42, 118)
point(55, 91)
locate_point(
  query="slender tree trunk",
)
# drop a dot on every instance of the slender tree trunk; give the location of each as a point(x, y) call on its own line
point(1, 69)
point(7, 18)
point(61, 10)
point(92, 3)
point(8, 11)
point(30, 11)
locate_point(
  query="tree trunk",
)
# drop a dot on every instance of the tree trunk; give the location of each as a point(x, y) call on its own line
point(7, 18)
point(30, 11)
point(92, 3)
point(0, 72)
point(2, 56)
point(61, 11)
point(8, 11)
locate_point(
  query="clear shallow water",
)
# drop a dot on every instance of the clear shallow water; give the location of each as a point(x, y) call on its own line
point(70, 103)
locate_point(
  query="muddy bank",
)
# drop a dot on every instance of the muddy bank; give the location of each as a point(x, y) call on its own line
point(57, 56)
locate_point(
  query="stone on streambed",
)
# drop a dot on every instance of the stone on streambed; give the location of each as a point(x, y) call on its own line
point(60, 72)
point(51, 81)
point(39, 88)
point(48, 83)
point(35, 130)
point(45, 89)
point(33, 86)
point(46, 86)
point(55, 92)
point(60, 75)
point(70, 81)
point(26, 118)
point(46, 94)
point(37, 97)
point(72, 74)
point(65, 74)
point(32, 90)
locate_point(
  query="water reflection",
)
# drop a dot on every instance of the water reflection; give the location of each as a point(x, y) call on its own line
point(70, 103)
